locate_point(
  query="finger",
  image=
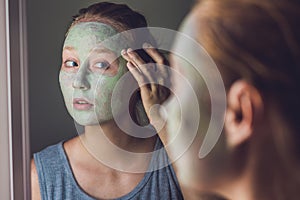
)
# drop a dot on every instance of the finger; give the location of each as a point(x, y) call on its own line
point(128, 59)
point(162, 63)
point(163, 70)
point(139, 77)
point(145, 69)
point(155, 55)
point(137, 74)
point(135, 57)
point(125, 55)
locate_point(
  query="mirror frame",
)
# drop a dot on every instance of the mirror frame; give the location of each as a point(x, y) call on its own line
point(14, 121)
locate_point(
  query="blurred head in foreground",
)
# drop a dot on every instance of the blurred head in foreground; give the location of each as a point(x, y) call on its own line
point(256, 47)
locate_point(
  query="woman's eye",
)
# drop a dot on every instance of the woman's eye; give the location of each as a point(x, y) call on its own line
point(70, 63)
point(102, 65)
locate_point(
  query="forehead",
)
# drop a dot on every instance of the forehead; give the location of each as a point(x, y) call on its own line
point(88, 35)
point(190, 25)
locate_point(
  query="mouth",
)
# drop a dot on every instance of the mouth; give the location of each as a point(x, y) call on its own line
point(82, 104)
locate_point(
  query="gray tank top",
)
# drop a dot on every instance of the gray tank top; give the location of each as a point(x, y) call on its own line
point(57, 182)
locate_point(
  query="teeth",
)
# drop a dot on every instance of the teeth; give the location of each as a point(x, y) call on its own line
point(81, 102)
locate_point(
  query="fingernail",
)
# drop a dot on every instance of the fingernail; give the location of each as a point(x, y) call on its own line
point(146, 45)
point(129, 65)
point(129, 50)
point(123, 52)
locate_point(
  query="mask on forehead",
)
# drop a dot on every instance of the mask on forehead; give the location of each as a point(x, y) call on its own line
point(88, 35)
point(90, 70)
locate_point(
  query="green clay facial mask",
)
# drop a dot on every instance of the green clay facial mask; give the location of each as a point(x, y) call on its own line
point(89, 72)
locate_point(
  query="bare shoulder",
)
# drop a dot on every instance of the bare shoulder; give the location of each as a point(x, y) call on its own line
point(35, 188)
point(72, 146)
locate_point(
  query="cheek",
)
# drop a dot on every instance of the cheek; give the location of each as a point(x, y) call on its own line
point(103, 91)
point(106, 85)
point(66, 81)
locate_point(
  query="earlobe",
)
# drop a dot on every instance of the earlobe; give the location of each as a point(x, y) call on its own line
point(243, 110)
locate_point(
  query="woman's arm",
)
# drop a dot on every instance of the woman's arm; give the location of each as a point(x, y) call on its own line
point(35, 188)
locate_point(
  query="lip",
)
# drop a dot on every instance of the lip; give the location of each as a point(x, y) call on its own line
point(82, 104)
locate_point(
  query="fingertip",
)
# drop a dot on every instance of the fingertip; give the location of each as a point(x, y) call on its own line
point(123, 52)
point(147, 45)
point(129, 50)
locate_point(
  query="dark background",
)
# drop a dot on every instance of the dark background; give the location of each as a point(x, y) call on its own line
point(47, 22)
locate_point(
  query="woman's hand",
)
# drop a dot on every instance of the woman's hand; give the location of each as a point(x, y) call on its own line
point(153, 80)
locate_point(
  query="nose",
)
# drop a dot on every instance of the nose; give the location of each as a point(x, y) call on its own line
point(80, 81)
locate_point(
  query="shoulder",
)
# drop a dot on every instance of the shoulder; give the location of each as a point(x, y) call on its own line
point(49, 171)
point(71, 146)
point(36, 169)
point(54, 154)
point(163, 181)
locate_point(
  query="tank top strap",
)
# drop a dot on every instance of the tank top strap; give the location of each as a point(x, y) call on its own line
point(55, 175)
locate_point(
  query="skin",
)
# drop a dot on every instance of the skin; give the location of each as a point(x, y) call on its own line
point(90, 65)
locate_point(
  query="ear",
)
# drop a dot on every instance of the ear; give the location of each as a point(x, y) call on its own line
point(244, 109)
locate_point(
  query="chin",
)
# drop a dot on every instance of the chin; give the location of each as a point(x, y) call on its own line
point(91, 122)
point(86, 123)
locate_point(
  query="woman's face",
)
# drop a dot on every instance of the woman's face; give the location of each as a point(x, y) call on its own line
point(89, 72)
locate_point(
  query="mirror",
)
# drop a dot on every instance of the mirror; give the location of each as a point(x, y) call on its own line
point(47, 22)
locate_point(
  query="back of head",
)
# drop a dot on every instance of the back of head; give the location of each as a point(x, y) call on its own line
point(259, 41)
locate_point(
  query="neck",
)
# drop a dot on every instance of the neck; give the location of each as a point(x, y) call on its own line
point(238, 189)
point(116, 149)
point(225, 189)
point(252, 177)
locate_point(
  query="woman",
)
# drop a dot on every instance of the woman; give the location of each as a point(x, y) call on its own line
point(89, 74)
point(256, 47)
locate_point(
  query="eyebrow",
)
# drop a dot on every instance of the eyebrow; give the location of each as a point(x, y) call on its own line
point(94, 50)
point(101, 50)
point(69, 48)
